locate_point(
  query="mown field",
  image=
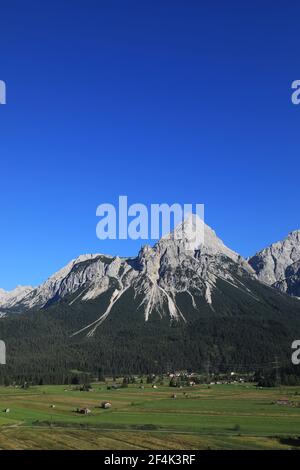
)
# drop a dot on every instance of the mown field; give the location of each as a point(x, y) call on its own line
point(236, 416)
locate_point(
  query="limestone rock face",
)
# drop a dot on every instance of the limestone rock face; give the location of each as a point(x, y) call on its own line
point(180, 262)
point(9, 298)
point(181, 276)
point(278, 265)
point(291, 283)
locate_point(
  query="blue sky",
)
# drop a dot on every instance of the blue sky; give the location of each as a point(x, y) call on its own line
point(163, 101)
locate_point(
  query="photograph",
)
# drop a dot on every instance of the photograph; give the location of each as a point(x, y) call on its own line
point(150, 230)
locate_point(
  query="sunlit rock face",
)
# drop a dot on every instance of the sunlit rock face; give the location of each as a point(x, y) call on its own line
point(278, 265)
point(181, 276)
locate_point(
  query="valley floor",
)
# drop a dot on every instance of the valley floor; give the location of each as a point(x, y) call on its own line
point(236, 416)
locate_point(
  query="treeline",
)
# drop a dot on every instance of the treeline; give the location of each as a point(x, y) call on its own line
point(24, 380)
point(289, 376)
point(40, 349)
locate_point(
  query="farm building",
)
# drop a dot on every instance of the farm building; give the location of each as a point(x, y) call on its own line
point(284, 402)
point(83, 411)
point(105, 405)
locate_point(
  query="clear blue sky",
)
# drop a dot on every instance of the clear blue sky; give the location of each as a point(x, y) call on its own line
point(164, 101)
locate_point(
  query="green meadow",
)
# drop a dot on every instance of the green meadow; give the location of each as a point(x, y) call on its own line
point(233, 416)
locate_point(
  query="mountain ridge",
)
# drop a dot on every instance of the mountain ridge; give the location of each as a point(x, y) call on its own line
point(260, 265)
point(168, 307)
point(273, 264)
point(169, 250)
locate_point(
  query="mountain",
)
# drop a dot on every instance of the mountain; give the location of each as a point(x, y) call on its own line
point(177, 304)
point(279, 264)
point(291, 281)
point(9, 299)
point(153, 274)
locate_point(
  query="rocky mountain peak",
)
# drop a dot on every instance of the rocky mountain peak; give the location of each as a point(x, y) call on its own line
point(7, 298)
point(192, 260)
point(271, 264)
point(194, 235)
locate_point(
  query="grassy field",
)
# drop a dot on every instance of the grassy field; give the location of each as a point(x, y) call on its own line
point(236, 416)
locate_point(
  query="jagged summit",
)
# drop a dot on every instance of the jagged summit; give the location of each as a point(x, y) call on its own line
point(190, 261)
point(28, 296)
point(273, 264)
point(294, 232)
point(8, 298)
point(171, 304)
point(193, 234)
